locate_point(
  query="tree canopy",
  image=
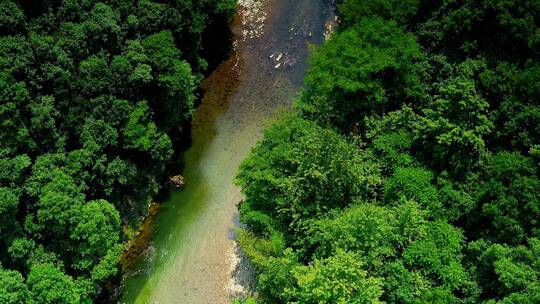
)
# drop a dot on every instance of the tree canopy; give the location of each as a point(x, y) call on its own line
point(93, 97)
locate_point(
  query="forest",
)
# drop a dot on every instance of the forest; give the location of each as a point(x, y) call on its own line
point(93, 99)
point(408, 170)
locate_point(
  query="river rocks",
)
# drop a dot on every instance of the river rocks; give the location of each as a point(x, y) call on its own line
point(242, 276)
point(329, 28)
point(253, 16)
point(290, 62)
point(282, 60)
point(177, 181)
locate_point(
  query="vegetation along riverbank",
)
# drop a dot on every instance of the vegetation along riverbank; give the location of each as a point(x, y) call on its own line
point(408, 171)
point(93, 95)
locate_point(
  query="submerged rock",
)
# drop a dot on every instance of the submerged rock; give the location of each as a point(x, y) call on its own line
point(177, 181)
point(330, 27)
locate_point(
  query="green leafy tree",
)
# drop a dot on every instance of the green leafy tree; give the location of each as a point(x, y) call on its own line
point(107, 267)
point(14, 133)
point(513, 91)
point(366, 229)
point(508, 273)
point(277, 282)
point(101, 28)
point(49, 285)
point(509, 198)
point(337, 279)
point(52, 69)
point(43, 125)
point(59, 202)
point(495, 27)
point(12, 288)
point(392, 149)
point(175, 79)
point(96, 231)
point(300, 171)
point(9, 204)
point(438, 255)
point(366, 68)
point(20, 251)
point(94, 76)
point(12, 19)
point(352, 11)
point(415, 184)
point(143, 135)
point(161, 50)
point(454, 126)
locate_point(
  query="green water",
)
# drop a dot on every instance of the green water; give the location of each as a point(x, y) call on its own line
point(187, 259)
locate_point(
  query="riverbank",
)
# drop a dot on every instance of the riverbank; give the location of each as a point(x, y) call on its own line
point(188, 257)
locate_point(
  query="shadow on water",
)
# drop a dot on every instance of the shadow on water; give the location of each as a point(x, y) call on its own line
point(216, 41)
point(186, 260)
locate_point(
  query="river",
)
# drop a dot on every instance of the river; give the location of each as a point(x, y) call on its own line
point(187, 260)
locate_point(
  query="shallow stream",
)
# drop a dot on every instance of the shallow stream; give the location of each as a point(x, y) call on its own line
point(188, 257)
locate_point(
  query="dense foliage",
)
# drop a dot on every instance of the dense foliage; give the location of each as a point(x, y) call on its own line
point(92, 95)
point(409, 171)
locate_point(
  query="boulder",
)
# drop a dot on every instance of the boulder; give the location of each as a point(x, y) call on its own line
point(177, 181)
